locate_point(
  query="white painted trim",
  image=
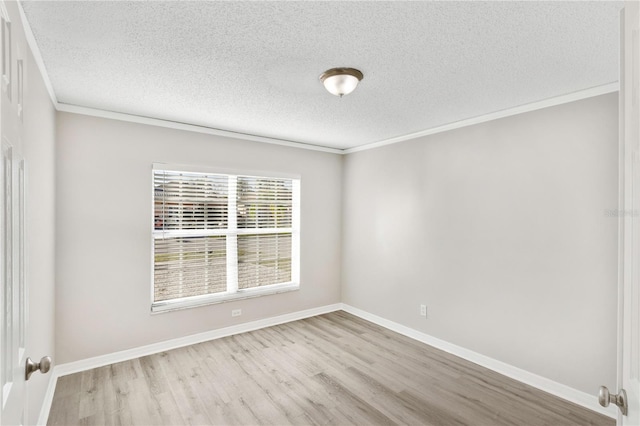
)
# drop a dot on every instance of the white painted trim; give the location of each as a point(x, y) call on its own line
point(37, 55)
point(86, 364)
point(558, 100)
point(557, 389)
point(212, 299)
point(622, 230)
point(48, 399)
point(102, 360)
point(170, 167)
point(188, 127)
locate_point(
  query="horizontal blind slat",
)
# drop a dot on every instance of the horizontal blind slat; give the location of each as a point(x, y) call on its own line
point(190, 201)
point(263, 259)
point(189, 266)
point(264, 202)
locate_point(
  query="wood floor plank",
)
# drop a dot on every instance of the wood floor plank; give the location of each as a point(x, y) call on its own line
point(91, 400)
point(352, 404)
point(190, 406)
point(389, 402)
point(269, 403)
point(68, 385)
point(333, 369)
point(65, 409)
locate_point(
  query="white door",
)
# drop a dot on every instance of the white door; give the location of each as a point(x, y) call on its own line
point(629, 297)
point(630, 114)
point(13, 296)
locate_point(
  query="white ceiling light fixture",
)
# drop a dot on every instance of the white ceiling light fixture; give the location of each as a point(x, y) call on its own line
point(341, 81)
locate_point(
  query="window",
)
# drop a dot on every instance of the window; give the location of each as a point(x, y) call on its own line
point(220, 237)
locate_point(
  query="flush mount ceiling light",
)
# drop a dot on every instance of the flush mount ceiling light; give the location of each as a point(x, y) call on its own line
point(341, 81)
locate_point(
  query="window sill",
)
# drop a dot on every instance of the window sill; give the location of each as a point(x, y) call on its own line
point(210, 299)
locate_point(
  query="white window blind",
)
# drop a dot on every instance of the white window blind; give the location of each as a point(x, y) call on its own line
point(220, 236)
point(264, 205)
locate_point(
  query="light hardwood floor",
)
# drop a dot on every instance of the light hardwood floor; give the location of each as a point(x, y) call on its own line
point(333, 369)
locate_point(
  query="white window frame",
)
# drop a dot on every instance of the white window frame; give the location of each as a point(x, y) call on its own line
point(232, 232)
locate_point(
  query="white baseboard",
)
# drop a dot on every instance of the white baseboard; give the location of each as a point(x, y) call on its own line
point(562, 391)
point(554, 388)
point(102, 360)
point(48, 399)
point(99, 361)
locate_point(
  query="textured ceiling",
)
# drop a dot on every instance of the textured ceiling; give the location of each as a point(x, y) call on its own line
point(253, 67)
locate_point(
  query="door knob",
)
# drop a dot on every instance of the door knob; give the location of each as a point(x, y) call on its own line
point(605, 398)
point(44, 365)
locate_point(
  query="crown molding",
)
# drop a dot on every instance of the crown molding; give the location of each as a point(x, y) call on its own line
point(550, 102)
point(557, 100)
point(190, 127)
point(37, 55)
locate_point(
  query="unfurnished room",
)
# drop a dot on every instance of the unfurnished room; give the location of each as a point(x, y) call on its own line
point(320, 212)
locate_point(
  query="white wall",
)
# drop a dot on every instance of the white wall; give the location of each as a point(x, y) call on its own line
point(103, 221)
point(34, 137)
point(500, 228)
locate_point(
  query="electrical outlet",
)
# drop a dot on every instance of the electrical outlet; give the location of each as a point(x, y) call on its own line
point(236, 312)
point(423, 311)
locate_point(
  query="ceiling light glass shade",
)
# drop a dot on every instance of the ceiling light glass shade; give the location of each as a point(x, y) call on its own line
point(341, 81)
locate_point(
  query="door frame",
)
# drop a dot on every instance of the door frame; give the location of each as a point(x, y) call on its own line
point(629, 215)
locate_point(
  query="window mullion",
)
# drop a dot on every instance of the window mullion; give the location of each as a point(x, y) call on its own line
point(295, 232)
point(232, 236)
